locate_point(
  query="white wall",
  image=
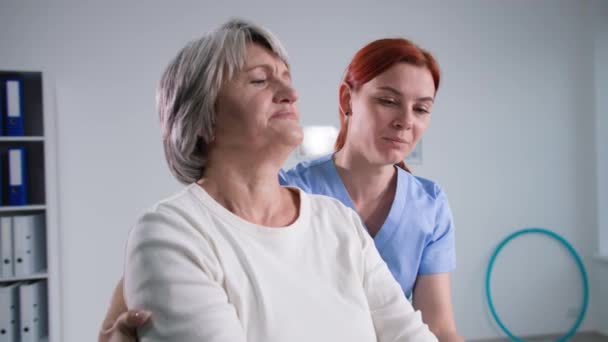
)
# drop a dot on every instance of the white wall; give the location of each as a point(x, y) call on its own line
point(601, 126)
point(601, 281)
point(510, 131)
point(601, 139)
point(510, 142)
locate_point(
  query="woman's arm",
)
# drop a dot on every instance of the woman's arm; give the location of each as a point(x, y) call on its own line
point(393, 316)
point(172, 270)
point(433, 297)
point(119, 324)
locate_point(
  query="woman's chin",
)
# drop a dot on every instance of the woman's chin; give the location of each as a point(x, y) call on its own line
point(292, 136)
point(295, 141)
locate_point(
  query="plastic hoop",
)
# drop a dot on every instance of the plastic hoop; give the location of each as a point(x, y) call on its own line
point(579, 263)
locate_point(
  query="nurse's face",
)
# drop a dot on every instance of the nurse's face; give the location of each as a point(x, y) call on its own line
point(390, 113)
point(256, 110)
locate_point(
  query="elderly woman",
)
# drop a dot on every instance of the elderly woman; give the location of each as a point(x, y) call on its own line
point(235, 256)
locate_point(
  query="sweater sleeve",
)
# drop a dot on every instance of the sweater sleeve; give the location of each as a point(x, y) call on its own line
point(172, 270)
point(393, 316)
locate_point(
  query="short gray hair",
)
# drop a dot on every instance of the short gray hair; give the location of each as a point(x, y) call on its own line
point(189, 87)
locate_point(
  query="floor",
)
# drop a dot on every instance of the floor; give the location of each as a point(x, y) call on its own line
point(582, 337)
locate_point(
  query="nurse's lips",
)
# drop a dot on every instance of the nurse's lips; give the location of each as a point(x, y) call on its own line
point(395, 140)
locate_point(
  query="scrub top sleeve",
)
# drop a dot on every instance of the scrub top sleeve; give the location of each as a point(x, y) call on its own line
point(439, 255)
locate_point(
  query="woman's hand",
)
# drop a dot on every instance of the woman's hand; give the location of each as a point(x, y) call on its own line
point(120, 324)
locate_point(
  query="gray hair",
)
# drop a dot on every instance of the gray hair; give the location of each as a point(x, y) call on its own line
point(189, 87)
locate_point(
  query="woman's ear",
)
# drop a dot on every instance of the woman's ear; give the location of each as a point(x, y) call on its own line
point(345, 94)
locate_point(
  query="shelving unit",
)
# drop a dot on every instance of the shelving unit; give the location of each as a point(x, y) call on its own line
point(40, 176)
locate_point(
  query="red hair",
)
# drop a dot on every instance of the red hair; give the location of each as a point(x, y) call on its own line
point(374, 59)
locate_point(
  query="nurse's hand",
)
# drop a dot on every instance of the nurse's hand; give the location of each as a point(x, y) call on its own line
point(121, 325)
point(125, 327)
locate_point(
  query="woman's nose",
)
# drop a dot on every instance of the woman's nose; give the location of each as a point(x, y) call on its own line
point(286, 93)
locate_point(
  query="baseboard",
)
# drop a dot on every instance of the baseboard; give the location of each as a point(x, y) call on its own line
point(579, 337)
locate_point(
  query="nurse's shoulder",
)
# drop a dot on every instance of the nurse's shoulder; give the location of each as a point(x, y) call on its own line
point(306, 173)
point(423, 188)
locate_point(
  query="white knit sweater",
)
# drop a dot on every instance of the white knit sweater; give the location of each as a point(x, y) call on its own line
point(209, 276)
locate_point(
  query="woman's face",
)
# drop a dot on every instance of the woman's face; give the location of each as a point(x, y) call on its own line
point(257, 108)
point(390, 113)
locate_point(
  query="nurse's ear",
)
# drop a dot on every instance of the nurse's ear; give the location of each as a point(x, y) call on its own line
point(345, 94)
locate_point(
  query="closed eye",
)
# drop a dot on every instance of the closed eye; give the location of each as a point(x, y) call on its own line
point(258, 81)
point(387, 101)
point(421, 110)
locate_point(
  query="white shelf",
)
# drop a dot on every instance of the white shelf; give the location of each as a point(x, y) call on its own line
point(35, 276)
point(21, 208)
point(40, 142)
point(20, 139)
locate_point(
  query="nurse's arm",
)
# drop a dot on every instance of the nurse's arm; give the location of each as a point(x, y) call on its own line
point(120, 324)
point(433, 297)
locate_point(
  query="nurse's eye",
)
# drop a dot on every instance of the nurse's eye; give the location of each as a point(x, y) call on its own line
point(421, 110)
point(387, 101)
point(260, 81)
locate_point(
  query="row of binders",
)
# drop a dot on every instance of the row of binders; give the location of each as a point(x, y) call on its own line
point(23, 312)
point(22, 245)
point(11, 108)
point(17, 177)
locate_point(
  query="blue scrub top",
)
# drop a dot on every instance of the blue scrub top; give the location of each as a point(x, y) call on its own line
point(418, 234)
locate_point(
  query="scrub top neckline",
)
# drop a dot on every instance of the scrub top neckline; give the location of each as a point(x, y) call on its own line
point(391, 222)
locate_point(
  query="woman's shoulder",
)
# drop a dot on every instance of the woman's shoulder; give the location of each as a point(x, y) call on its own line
point(177, 204)
point(330, 209)
point(335, 217)
point(324, 202)
point(176, 231)
point(169, 217)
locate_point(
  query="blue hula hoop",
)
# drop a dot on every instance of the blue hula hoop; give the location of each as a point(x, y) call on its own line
point(581, 268)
